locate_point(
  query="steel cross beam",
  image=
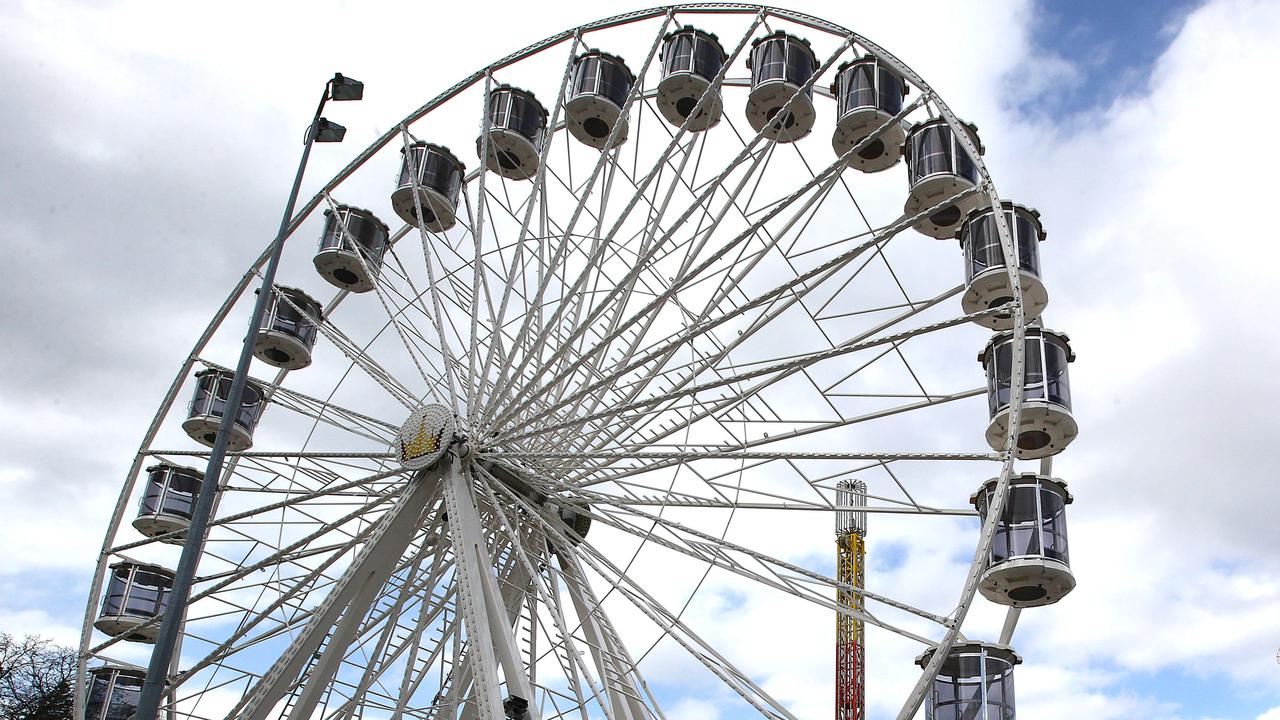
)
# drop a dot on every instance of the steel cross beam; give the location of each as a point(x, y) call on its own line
point(624, 698)
point(349, 600)
point(514, 583)
point(490, 639)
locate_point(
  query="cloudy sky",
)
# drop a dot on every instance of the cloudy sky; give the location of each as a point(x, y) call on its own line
point(146, 150)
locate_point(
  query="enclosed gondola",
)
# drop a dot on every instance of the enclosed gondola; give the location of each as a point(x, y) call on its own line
point(167, 501)
point(691, 59)
point(868, 96)
point(351, 248)
point(113, 692)
point(1046, 426)
point(781, 65)
point(288, 331)
point(438, 176)
point(517, 131)
point(597, 93)
point(939, 169)
point(1028, 564)
point(975, 682)
point(986, 279)
point(136, 593)
point(213, 387)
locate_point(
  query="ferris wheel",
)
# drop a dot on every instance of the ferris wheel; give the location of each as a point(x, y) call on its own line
point(541, 412)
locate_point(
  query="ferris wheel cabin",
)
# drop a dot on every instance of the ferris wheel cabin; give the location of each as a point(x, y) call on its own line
point(781, 65)
point(438, 176)
point(205, 413)
point(517, 131)
point(597, 93)
point(167, 501)
point(113, 692)
point(986, 281)
point(1028, 564)
point(868, 95)
point(288, 331)
point(136, 593)
point(351, 248)
point(691, 59)
point(1046, 427)
point(939, 168)
point(975, 682)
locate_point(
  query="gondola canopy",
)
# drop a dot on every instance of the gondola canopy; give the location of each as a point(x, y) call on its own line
point(1028, 564)
point(517, 131)
point(597, 95)
point(939, 170)
point(1046, 426)
point(351, 248)
point(868, 96)
point(691, 59)
point(986, 279)
point(781, 98)
point(204, 415)
point(438, 175)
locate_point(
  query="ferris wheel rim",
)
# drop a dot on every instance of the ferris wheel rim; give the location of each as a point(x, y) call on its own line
point(549, 42)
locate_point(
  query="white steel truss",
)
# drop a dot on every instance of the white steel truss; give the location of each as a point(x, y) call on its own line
point(678, 343)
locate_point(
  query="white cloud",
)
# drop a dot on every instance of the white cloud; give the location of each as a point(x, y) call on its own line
point(1164, 286)
point(39, 623)
point(694, 709)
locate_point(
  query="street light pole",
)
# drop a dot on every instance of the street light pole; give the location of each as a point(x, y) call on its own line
point(339, 88)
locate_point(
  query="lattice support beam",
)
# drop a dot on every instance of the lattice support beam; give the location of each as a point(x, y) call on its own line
point(490, 641)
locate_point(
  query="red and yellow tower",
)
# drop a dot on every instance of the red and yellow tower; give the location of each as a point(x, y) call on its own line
point(851, 553)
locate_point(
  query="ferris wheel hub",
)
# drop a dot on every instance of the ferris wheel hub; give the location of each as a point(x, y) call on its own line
point(425, 437)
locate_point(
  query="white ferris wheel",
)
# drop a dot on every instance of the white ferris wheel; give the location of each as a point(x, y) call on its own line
point(518, 423)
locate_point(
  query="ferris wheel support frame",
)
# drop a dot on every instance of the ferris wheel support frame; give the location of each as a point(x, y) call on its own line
point(483, 611)
point(548, 591)
point(359, 582)
point(703, 324)
point(508, 374)
point(670, 622)
point(602, 641)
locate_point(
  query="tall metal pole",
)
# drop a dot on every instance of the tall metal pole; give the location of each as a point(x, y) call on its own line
point(175, 608)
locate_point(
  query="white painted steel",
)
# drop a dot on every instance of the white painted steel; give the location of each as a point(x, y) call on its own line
point(672, 338)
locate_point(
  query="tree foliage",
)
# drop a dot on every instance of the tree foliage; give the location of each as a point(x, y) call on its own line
point(37, 679)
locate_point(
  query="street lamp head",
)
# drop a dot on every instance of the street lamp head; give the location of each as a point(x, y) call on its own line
point(344, 88)
point(328, 131)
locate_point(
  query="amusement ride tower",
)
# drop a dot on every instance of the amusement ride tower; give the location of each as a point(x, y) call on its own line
point(851, 554)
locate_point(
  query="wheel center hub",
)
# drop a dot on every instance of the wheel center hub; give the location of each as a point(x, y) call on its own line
point(425, 436)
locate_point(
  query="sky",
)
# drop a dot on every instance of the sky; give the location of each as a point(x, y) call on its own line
point(146, 153)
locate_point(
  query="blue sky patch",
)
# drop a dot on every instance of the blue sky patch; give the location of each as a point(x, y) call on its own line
point(1113, 45)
